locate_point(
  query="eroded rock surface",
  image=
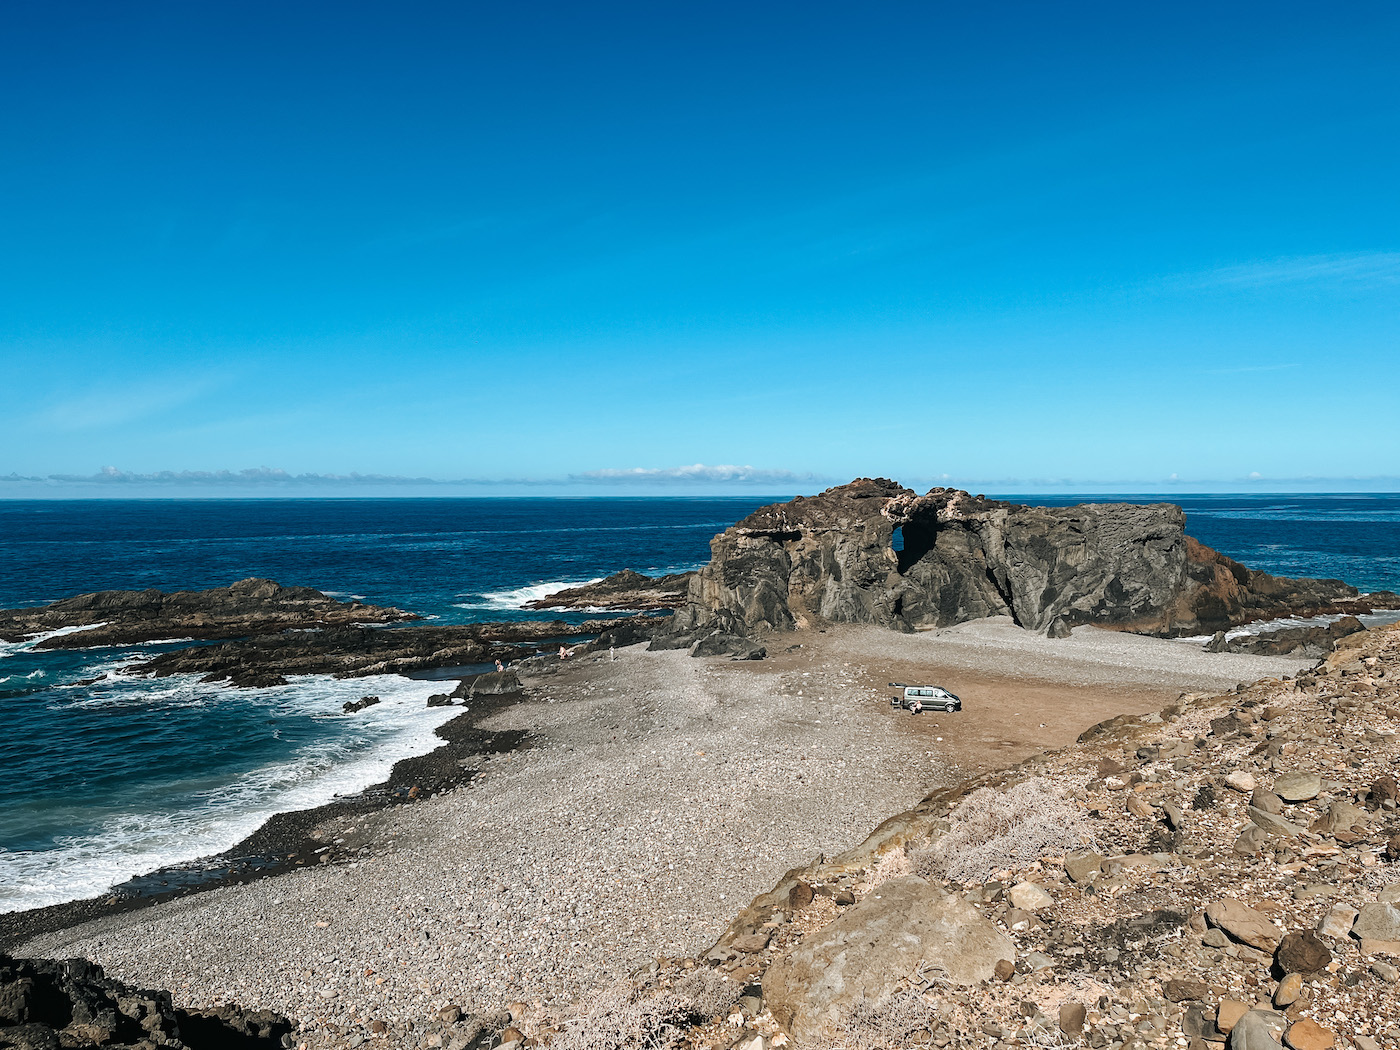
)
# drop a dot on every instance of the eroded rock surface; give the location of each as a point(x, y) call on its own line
point(1131, 567)
point(908, 927)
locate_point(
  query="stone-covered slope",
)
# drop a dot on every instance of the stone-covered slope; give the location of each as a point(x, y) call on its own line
point(1131, 567)
point(1232, 882)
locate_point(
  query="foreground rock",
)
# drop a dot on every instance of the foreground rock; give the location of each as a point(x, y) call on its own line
point(625, 590)
point(248, 607)
point(72, 1004)
point(870, 951)
point(1124, 566)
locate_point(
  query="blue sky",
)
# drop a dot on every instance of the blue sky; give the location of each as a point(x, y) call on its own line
point(586, 246)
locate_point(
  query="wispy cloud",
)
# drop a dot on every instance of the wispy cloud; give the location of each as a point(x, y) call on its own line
point(252, 476)
point(124, 403)
point(268, 479)
point(695, 473)
point(1356, 269)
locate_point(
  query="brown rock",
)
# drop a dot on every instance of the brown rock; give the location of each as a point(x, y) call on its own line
point(1244, 924)
point(1004, 970)
point(1266, 800)
point(1229, 1013)
point(801, 895)
point(751, 942)
point(1072, 1019)
point(1184, 989)
point(1289, 989)
point(1302, 952)
point(1309, 1035)
point(378, 1027)
point(1140, 807)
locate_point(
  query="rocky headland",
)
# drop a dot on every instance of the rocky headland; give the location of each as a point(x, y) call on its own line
point(831, 558)
point(248, 607)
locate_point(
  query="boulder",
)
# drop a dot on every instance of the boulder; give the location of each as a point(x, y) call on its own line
point(873, 947)
point(1302, 952)
point(1377, 922)
point(1309, 1035)
point(1029, 897)
point(1244, 924)
point(1298, 787)
point(1256, 1030)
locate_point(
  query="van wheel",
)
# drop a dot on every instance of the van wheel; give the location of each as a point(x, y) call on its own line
point(949, 708)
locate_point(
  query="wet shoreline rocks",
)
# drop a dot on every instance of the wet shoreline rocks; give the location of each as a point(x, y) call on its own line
point(248, 607)
point(626, 590)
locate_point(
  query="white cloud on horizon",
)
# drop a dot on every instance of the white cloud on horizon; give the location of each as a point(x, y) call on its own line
point(695, 473)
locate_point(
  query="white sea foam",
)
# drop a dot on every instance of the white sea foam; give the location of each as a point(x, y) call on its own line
point(21, 677)
point(211, 821)
point(30, 641)
point(516, 598)
point(1256, 627)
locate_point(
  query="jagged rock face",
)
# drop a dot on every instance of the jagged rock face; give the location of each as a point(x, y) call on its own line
point(1127, 566)
point(73, 1004)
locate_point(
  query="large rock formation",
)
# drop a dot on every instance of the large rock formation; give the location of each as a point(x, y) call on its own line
point(1125, 566)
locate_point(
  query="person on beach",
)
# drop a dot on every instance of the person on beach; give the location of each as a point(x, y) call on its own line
point(563, 653)
point(500, 666)
point(612, 653)
point(915, 706)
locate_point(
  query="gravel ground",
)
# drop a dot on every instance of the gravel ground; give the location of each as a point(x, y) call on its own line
point(658, 796)
point(1090, 657)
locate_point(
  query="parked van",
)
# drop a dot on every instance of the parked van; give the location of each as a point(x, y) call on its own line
point(924, 697)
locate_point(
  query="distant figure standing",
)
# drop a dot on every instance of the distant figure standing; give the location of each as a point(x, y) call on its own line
point(500, 666)
point(612, 653)
point(563, 653)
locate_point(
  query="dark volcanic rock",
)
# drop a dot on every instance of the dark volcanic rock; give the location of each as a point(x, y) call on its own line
point(1125, 566)
point(622, 590)
point(1306, 641)
point(493, 683)
point(73, 1004)
point(354, 652)
point(248, 607)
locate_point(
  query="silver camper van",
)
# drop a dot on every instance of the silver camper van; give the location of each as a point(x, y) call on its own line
point(924, 697)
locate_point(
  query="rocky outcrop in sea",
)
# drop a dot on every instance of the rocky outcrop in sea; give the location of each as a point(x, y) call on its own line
point(248, 607)
point(832, 558)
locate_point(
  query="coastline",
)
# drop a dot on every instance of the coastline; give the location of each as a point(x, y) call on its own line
point(654, 795)
point(285, 841)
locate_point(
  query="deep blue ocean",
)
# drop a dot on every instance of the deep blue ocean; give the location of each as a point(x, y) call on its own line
point(99, 783)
